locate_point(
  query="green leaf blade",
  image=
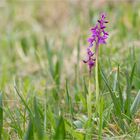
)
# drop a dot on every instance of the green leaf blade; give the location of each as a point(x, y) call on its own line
point(60, 130)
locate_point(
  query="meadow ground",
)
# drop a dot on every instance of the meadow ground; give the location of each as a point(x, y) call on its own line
point(46, 90)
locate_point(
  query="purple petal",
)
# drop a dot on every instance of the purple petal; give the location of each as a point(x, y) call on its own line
point(85, 61)
point(99, 21)
point(102, 41)
point(103, 15)
point(102, 27)
point(90, 40)
point(94, 28)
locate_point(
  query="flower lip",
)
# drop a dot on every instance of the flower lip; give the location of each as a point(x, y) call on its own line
point(99, 21)
point(85, 61)
point(105, 33)
point(106, 21)
point(103, 27)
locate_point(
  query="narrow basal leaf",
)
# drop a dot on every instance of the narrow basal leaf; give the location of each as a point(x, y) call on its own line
point(29, 134)
point(114, 99)
point(49, 56)
point(119, 88)
point(24, 45)
point(37, 120)
point(69, 99)
point(57, 73)
point(128, 91)
point(73, 132)
point(24, 102)
point(60, 130)
point(136, 103)
point(132, 73)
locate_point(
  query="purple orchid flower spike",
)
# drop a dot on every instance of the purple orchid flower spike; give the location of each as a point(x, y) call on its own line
point(90, 60)
point(98, 37)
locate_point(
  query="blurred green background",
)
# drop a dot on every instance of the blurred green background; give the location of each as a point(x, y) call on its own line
point(25, 23)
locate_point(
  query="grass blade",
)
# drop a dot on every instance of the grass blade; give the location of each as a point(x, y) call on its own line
point(77, 135)
point(60, 130)
point(101, 108)
point(1, 116)
point(119, 88)
point(69, 99)
point(49, 56)
point(24, 45)
point(128, 91)
point(37, 120)
point(135, 104)
point(29, 134)
point(114, 99)
point(24, 102)
point(132, 73)
point(57, 73)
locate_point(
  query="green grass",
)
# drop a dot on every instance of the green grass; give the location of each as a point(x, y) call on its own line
point(46, 92)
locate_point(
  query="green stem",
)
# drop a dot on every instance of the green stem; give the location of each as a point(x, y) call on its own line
point(89, 110)
point(97, 78)
point(99, 100)
point(89, 101)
